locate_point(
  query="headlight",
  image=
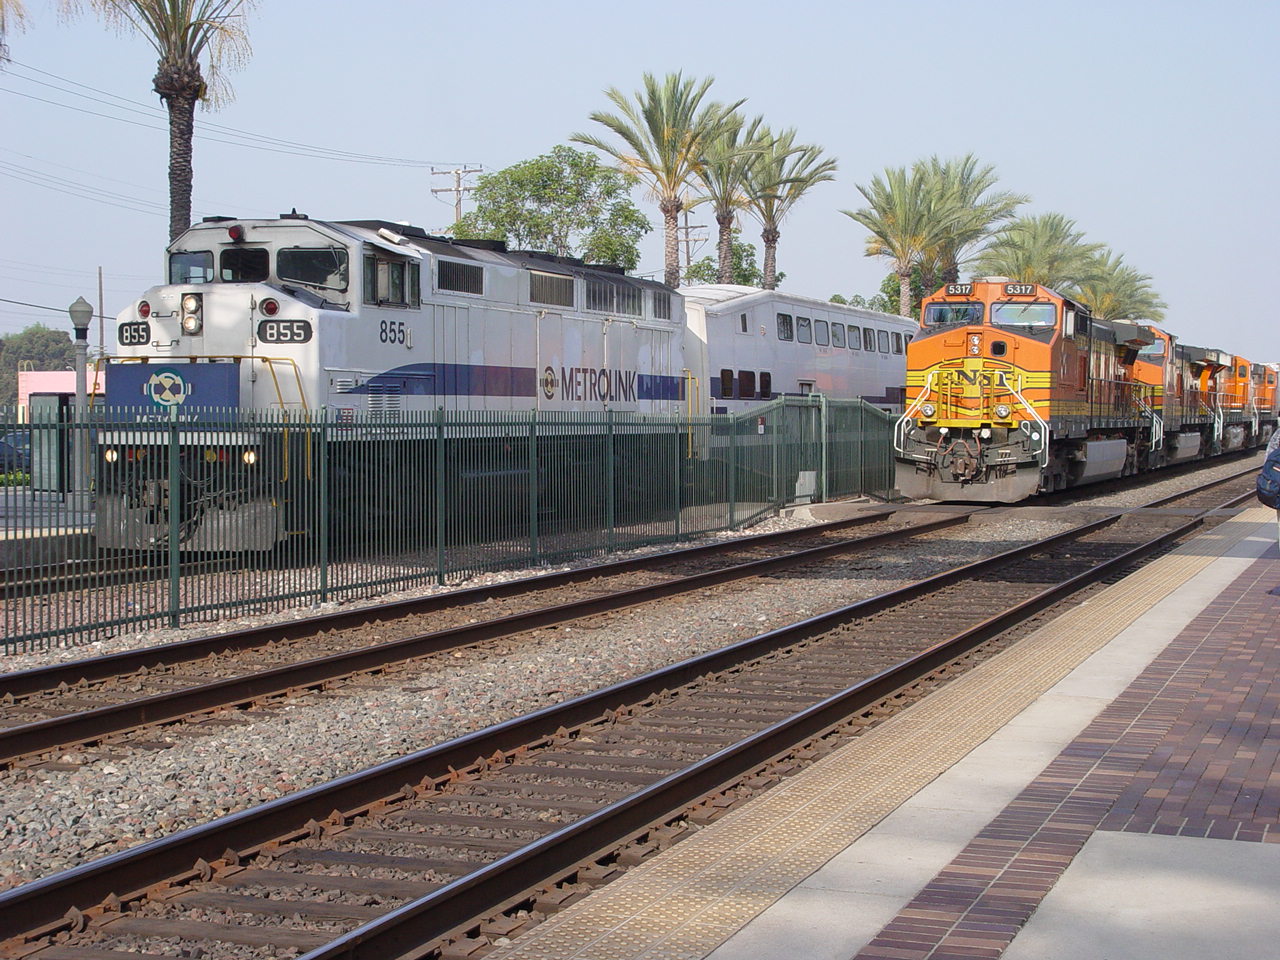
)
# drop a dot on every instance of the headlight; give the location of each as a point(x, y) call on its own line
point(192, 314)
point(250, 457)
point(111, 455)
point(975, 345)
point(928, 409)
point(1003, 411)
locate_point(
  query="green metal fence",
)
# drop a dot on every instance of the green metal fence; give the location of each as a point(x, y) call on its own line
point(129, 519)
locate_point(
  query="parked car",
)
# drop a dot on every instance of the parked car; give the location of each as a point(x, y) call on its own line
point(13, 457)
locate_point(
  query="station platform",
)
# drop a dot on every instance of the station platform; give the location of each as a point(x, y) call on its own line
point(1107, 788)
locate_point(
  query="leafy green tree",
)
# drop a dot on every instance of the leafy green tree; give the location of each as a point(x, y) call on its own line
point(183, 33)
point(744, 269)
point(886, 300)
point(1045, 249)
point(779, 176)
point(905, 221)
point(664, 132)
point(563, 202)
point(36, 348)
point(1115, 291)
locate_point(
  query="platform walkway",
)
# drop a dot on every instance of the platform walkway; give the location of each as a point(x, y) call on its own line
point(1108, 788)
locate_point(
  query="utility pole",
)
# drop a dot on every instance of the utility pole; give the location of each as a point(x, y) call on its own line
point(688, 239)
point(457, 189)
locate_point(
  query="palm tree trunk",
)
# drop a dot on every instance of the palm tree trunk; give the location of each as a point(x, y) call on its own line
point(904, 293)
point(670, 207)
point(182, 111)
point(725, 246)
point(770, 237)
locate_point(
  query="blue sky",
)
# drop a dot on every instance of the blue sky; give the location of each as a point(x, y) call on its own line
point(1150, 124)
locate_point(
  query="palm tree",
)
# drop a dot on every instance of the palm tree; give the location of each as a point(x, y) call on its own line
point(1046, 249)
point(906, 221)
point(665, 133)
point(959, 189)
point(1117, 291)
point(723, 177)
point(12, 14)
point(779, 176)
point(182, 32)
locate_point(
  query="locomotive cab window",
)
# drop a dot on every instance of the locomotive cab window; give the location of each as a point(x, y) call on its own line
point(1152, 351)
point(821, 333)
point(944, 314)
point(742, 323)
point(837, 334)
point(855, 337)
point(804, 330)
point(1024, 314)
point(746, 383)
point(868, 339)
point(244, 264)
point(897, 342)
point(766, 385)
point(785, 330)
point(324, 267)
point(882, 339)
point(191, 267)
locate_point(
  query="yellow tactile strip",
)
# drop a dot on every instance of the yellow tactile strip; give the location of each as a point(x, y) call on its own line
point(683, 904)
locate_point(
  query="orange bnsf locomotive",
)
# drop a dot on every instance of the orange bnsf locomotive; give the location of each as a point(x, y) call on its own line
point(1013, 389)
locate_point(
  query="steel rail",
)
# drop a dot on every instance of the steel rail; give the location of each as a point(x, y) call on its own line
point(127, 874)
point(91, 725)
point(24, 682)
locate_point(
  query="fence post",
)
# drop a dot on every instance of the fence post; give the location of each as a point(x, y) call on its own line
point(440, 496)
point(733, 472)
point(824, 426)
point(533, 485)
point(609, 504)
point(323, 519)
point(175, 516)
point(681, 462)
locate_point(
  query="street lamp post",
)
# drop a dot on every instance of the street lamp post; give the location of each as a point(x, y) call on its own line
point(81, 313)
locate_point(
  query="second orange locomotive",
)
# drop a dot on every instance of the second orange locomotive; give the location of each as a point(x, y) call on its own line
point(1014, 389)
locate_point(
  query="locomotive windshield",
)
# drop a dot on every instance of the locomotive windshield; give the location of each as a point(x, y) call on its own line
point(317, 267)
point(1024, 314)
point(940, 314)
point(1152, 350)
point(191, 267)
point(245, 264)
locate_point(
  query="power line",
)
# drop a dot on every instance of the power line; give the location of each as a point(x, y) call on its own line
point(271, 144)
point(41, 306)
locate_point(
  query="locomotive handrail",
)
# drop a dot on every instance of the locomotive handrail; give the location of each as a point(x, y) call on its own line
point(1042, 454)
point(900, 428)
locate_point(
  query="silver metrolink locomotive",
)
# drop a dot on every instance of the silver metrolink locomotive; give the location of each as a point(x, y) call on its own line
point(368, 322)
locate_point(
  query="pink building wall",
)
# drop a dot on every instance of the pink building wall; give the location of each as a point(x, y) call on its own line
point(56, 381)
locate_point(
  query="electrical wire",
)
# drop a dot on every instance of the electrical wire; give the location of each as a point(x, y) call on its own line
point(269, 144)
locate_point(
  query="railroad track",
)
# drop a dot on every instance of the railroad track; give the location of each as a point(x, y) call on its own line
point(46, 711)
point(438, 852)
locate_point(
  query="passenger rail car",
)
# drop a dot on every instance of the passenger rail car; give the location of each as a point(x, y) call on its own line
point(761, 344)
point(1014, 389)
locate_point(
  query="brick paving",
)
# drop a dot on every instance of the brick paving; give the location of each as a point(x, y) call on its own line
point(1191, 748)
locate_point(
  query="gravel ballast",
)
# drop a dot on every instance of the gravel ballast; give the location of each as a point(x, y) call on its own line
point(51, 820)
